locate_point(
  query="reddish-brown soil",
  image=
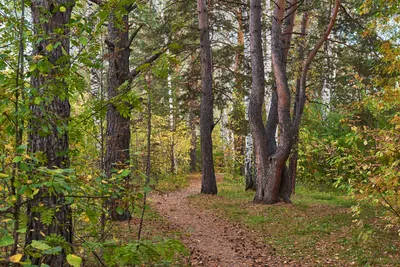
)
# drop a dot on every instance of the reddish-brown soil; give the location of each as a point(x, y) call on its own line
point(213, 241)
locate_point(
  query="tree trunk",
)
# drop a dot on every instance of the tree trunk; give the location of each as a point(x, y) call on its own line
point(209, 185)
point(53, 142)
point(270, 159)
point(295, 150)
point(257, 96)
point(274, 178)
point(118, 133)
point(172, 127)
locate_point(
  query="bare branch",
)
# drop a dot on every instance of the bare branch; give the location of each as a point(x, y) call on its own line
point(133, 37)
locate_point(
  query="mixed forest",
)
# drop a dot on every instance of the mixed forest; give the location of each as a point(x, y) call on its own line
point(199, 133)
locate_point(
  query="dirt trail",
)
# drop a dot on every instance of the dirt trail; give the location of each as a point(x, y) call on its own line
point(213, 241)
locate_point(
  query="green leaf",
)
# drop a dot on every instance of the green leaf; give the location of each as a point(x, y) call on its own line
point(37, 100)
point(53, 251)
point(74, 260)
point(40, 245)
point(64, 52)
point(147, 189)
point(32, 67)
point(125, 173)
point(3, 175)
point(17, 159)
point(21, 148)
point(6, 240)
point(119, 210)
point(62, 9)
point(83, 40)
point(24, 166)
point(49, 47)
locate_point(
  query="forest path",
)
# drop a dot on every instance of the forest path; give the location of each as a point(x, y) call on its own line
point(212, 240)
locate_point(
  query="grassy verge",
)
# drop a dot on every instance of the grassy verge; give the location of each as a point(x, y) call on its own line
point(318, 228)
point(173, 182)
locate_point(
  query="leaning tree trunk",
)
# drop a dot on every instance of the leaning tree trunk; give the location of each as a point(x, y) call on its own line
point(48, 20)
point(208, 185)
point(295, 150)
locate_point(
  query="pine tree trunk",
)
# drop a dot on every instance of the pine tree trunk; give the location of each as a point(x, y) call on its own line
point(54, 143)
point(118, 133)
point(209, 185)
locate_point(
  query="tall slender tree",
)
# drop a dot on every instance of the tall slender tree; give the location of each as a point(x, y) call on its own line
point(209, 184)
point(118, 133)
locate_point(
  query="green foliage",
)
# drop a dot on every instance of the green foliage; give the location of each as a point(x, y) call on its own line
point(163, 252)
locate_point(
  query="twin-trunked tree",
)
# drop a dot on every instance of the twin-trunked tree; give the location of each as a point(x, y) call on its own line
point(274, 183)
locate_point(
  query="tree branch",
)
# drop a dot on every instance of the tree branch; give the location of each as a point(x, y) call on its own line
point(132, 75)
point(133, 37)
point(306, 66)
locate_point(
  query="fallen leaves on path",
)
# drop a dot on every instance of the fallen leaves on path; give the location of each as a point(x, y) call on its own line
point(213, 241)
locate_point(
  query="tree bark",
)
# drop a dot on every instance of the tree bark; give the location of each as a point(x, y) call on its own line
point(118, 133)
point(295, 150)
point(274, 179)
point(209, 185)
point(53, 143)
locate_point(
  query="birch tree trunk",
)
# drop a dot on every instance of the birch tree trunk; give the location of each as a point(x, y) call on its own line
point(50, 21)
point(171, 100)
point(208, 185)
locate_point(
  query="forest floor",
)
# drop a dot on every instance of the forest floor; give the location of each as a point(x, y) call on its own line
point(319, 229)
point(228, 229)
point(213, 240)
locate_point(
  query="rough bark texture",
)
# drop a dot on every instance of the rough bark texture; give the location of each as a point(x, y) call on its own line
point(295, 150)
point(274, 180)
point(53, 142)
point(118, 133)
point(257, 99)
point(209, 185)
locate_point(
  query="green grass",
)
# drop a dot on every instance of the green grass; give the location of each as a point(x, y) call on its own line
point(318, 228)
point(172, 182)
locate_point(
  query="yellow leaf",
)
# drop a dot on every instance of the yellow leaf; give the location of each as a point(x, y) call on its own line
point(16, 258)
point(9, 147)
